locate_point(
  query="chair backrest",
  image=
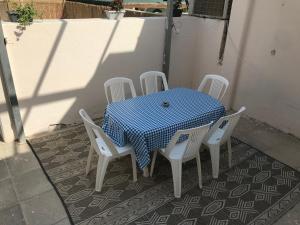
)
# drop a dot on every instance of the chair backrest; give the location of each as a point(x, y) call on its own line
point(227, 124)
point(217, 87)
point(150, 81)
point(94, 132)
point(195, 138)
point(117, 91)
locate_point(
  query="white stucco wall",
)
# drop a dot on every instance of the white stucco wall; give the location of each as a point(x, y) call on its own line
point(268, 77)
point(59, 66)
point(209, 35)
point(266, 83)
point(6, 129)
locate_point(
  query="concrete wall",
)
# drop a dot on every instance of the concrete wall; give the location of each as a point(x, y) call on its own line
point(261, 60)
point(60, 66)
point(268, 76)
point(209, 35)
point(6, 130)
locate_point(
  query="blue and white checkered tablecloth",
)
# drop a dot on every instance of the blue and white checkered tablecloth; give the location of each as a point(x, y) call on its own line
point(147, 125)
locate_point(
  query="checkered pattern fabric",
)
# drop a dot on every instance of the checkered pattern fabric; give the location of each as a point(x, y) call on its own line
point(147, 125)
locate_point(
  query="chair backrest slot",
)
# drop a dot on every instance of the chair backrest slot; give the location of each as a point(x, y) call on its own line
point(150, 81)
point(218, 85)
point(117, 89)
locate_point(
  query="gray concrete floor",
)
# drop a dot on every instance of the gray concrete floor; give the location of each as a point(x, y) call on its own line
point(26, 196)
point(281, 146)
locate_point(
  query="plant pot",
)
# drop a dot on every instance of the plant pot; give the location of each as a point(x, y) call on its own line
point(177, 12)
point(114, 15)
point(13, 16)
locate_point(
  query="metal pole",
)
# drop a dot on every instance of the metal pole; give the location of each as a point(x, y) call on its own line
point(226, 17)
point(168, 39)
point(9, 91)
point(225, 9)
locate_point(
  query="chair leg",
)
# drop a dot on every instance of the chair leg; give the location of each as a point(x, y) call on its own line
point(199, 169)
point(177, 173)
point(229, 153)
point(146, 172)
point(215, 159)
point(133, 167)
point(101, 170)
point(89, 161)
point(153, 163)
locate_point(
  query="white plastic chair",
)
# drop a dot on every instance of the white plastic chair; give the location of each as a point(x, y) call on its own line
point(117, 91)
point(183, 152)
point(219, 134)
point(105, 149)
point(218, 86)
point(149, 80)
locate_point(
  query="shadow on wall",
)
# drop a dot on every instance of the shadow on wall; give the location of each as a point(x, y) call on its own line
point(126, 64)
point(44, 73)
point(241, 51)
point(145, 54)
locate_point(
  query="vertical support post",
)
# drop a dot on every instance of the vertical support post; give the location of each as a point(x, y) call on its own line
point(226, 17)
point(225, 9)
point(9, 91)
point(223, 42)
point(168, 39)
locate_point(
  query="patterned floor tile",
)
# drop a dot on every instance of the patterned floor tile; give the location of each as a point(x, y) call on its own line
point(256, 190)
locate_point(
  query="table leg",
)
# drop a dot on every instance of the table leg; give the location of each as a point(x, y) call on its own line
point(146, 172)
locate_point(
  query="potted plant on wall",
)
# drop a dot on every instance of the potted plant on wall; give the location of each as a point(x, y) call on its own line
point(117, 10)
point(177, 8)
point(23, 14)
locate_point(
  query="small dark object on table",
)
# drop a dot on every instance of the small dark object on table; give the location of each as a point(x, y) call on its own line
point(165, 104)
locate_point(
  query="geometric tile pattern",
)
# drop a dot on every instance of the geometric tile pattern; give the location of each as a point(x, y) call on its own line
point(256, 190)
point(277, 165)
point(79, 196)
point(138, 186)
point(184, 206)
point(76, 211)
point(266, 193)
point(213, 208)
point(192, 221)
point(121, 178)
point(155, 219)
point(215, 221)
point(286, 177)
point(241, 210)
point(239, 191)
point(102, 200)
point(262, 176)
point(214, 188)
point(258, 162)
point(238, 175)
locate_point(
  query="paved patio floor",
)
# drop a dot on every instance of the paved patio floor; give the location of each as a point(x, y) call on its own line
point(26, 196)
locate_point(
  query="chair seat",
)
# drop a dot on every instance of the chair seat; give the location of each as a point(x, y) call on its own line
point(105, 149)
point(176, 152)
point(121, 150)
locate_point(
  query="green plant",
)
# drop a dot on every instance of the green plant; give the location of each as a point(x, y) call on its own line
point(177, 8)
point(26, 14)
point(117, 5)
